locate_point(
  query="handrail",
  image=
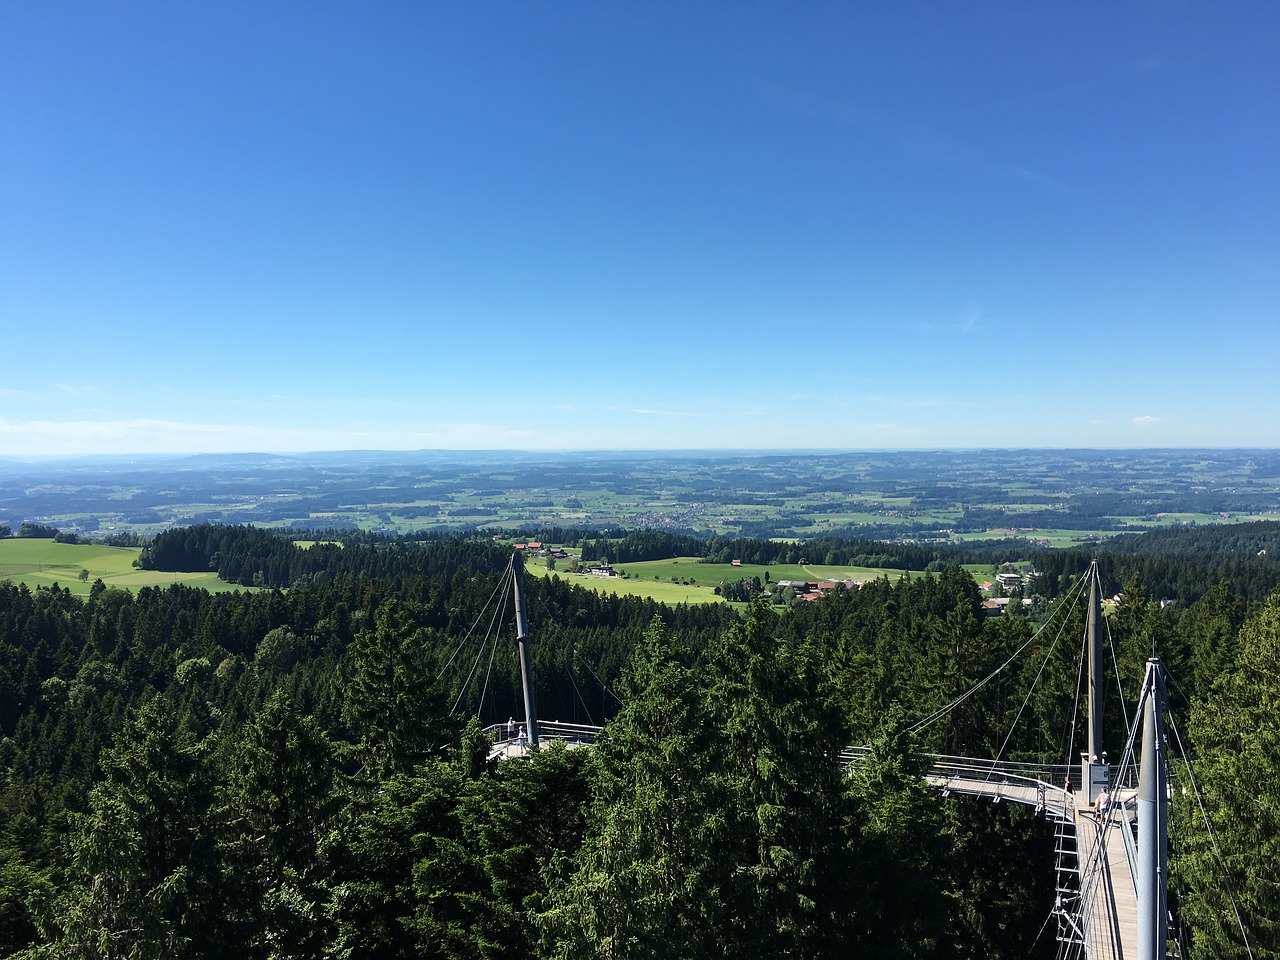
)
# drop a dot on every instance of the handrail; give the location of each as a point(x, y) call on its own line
point(1046, 779)
point(548, 730)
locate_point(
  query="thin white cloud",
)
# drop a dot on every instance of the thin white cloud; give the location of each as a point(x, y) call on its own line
point(970, 321)
point(646, 412)
point(562, 406)
point(921, 402)
point(75, 389)
point(1146, 421)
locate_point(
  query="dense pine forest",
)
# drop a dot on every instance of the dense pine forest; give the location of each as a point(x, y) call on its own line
point(300, 771)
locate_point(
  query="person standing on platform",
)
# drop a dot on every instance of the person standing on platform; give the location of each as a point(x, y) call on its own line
point(1103, 803)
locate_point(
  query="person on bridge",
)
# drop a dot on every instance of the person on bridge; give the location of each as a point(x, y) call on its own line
point(1103, 803)
point(511, 729)
point(524, 738)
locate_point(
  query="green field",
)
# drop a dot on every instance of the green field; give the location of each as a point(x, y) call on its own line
point(1039, 536)
point(657, 579)
point(712, 574)
point(43, 563)
point(669, 593)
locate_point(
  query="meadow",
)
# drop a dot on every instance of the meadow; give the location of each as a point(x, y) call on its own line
point(686, 580)
point(662, 592)
point(75, 566)
point(712, 574)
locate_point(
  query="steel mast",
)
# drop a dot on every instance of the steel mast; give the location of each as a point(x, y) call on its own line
point(523, 640)
point(1094, 770)
point(1153, 823)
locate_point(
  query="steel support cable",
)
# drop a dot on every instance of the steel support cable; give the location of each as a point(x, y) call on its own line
point(502, 582)
point(1213, 838)
point(1062, 625)
point(1027, 699)
point(498, 610)
point(1127, 762)
point(939, 714)
point(1075, 704)
point(1047, 918)
point(1179, 892)
point(1115, 665)
point(493, 649)
point(581, 699)
point(603, 685)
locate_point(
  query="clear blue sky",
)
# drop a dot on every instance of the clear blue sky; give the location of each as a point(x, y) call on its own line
point(303, 226)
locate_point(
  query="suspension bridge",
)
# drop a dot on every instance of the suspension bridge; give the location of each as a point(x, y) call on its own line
point(1110, 825)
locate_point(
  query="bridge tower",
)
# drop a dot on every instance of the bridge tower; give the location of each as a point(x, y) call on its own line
point(1094, 771)
point(523, 641)
point(1153, 822)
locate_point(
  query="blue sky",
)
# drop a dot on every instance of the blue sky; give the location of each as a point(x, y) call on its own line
point(304, 226)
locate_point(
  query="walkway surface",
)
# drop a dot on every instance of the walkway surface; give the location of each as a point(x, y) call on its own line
point(1106, 882)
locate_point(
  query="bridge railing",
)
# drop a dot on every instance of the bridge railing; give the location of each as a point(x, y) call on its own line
point(573, 734)
point(1055, 775)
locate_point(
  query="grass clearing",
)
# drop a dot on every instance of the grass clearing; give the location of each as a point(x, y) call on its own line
point(42, 563)
point(712, 574)
point(654, 578)
point(668, 593)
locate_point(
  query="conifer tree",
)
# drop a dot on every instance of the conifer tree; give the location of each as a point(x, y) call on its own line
point(390, 703)
point(1235, 731)
point(784, 865)
point(281, 798)
point(646, 883)
point(149, 880)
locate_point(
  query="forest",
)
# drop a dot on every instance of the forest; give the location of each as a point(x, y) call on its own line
point(302, 772)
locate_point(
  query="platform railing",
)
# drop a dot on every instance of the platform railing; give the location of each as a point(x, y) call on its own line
point(574, 734)
point(1055, 776)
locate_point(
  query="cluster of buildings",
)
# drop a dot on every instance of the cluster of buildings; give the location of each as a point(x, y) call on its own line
point(812, 590)
point(536, 549)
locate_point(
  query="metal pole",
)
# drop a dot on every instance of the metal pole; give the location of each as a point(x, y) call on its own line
point(1094, 771)
point(1153, 825)
point(522, 640)
point(1093, 631)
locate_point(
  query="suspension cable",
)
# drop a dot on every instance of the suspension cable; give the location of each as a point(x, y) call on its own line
point(458, 649)
point(603, 685)
point(493, 650)
point(498, 610)
point(1030, 690)
point(581, 699)
point(939, 714)
point(1213, 837)
point(1115, 665)
point(1075, 703)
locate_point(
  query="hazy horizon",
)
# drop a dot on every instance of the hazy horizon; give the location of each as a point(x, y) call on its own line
point(615, 451)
